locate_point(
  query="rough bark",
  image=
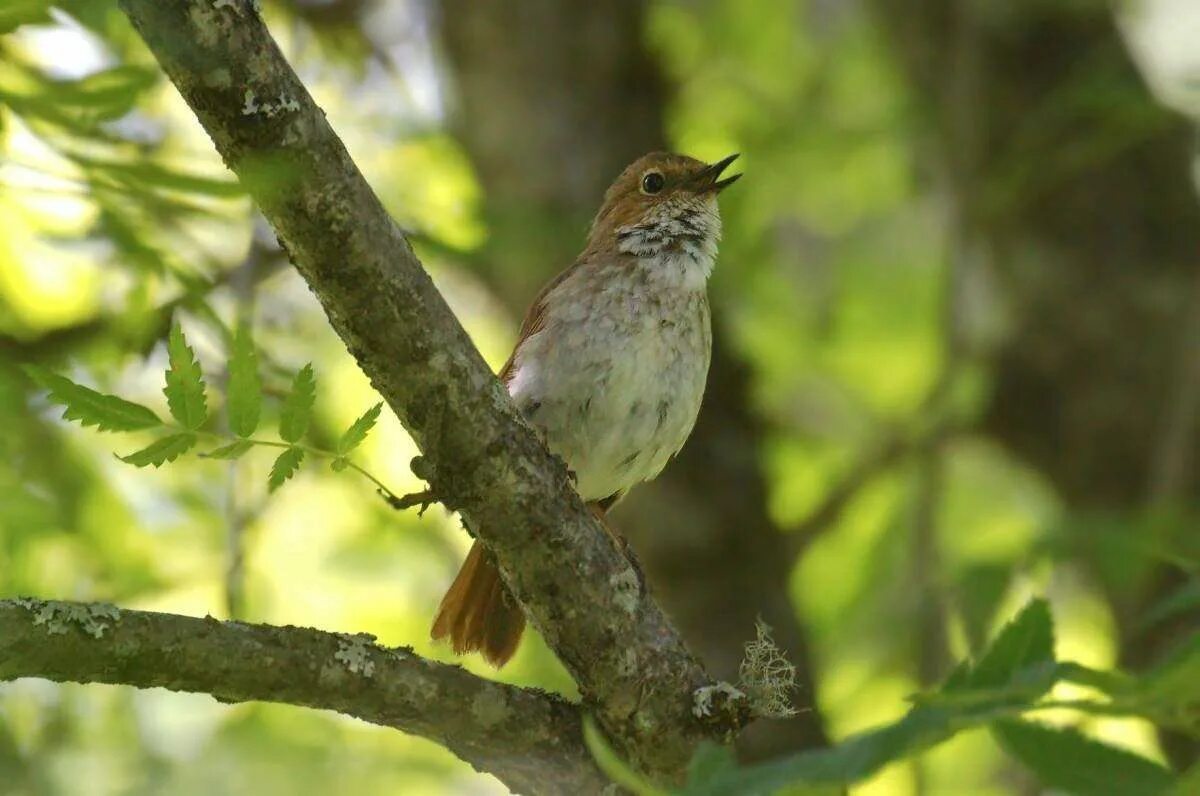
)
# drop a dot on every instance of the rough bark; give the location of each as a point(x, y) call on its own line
point(555, 98)
point(529, 740)
point(480, 458)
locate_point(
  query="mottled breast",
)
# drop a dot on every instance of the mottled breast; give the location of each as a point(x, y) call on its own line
point(615, 374)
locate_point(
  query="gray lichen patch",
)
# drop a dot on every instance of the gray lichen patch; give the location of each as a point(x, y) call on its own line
point(707, 700)
point(767, 676)
point(252, 105)
point(627, 588)
point(354, 652)
point(489, 708)
point(58, 617)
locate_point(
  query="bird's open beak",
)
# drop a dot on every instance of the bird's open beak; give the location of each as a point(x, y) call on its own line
point(707, 178)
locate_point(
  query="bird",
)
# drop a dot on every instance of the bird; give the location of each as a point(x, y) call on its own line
point(610, 363)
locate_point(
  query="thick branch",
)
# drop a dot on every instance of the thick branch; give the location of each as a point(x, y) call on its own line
point(530, 740)
point(479, 455)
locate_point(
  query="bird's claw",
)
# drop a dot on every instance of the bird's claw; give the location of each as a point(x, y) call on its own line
point(423, 499)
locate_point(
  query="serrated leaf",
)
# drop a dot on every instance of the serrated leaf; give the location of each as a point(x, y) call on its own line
point(1065, 759)
point(358, 431)
point(1023, 643)
point(339, 464)
point(157, 453)
point(90, 408)
point(233, 450)
point(244, 399)
point(285, 466)
point(185, 382)
point(297, 408)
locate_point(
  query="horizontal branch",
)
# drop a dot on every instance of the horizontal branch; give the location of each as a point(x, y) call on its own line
point(479, 456)
point(531, 741)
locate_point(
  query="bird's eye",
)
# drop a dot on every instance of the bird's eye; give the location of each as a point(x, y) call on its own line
point(653, 182)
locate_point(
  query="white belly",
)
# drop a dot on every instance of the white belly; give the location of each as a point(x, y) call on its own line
point(615, 382)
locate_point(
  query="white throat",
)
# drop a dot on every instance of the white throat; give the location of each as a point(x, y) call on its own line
point(678, 245)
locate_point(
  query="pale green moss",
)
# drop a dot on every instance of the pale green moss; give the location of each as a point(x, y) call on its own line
point(767, 676)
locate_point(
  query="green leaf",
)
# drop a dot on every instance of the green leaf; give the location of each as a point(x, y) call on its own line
point(853, 760)
point(297, 408)
point(185, 383)
point(1188, 784)
point(1065, 759)
point(233, 450)
point(244, 399)
point(15, 13)
point(711, 762)
point(108, 94)
point(1024, 642)
point(340, 463)
point(285, 467)
point(91, 408)
point(612, 765)
point(167, 449)
point(1015, 669)
point(358, 430)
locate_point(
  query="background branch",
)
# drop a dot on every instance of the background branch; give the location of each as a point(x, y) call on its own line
point(479, 456)
point(530, 740)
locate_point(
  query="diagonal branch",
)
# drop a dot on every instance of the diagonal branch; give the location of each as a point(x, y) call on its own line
point(478, 454)
point(531, 741)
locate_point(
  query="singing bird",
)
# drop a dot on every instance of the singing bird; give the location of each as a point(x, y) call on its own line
point(610, 363)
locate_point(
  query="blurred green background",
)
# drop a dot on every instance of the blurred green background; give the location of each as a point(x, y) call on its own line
point(958, 351)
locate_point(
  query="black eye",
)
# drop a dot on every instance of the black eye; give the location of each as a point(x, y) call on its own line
point(653, 182)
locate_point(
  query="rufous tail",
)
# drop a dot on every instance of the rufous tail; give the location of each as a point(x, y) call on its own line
point(478, 613)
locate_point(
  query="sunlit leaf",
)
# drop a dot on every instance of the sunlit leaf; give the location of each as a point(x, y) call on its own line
point(14, 13)
point(185, 382)
point(1065, 759)
point(157, 453)
point(1025, 641)
point(297, 408)
point(108, 94)
point(285, 466)
point(1013, 672)
point(90, 408)
point(244, 392)
point(233, 450)
point(358, 431)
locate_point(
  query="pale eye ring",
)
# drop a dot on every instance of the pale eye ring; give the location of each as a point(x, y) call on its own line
point(653, 182)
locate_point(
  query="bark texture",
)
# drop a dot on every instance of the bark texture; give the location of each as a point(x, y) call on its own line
point(531, 741)
point(555, 98)
point(479, 456)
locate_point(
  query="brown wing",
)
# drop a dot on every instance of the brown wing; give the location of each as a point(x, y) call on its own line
point(535, 319)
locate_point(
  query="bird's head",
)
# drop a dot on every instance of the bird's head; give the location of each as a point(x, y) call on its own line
point(663, 202)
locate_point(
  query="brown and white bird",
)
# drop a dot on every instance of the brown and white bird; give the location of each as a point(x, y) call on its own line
point(611, 363)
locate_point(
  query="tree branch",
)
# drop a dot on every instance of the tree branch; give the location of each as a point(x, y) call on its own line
point(530, 740)
point(480, 458)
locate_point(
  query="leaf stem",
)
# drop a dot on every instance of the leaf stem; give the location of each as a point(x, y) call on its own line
point(316, 452)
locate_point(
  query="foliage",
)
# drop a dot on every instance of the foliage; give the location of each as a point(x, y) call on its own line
point(859, 314)
point(185, 392)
